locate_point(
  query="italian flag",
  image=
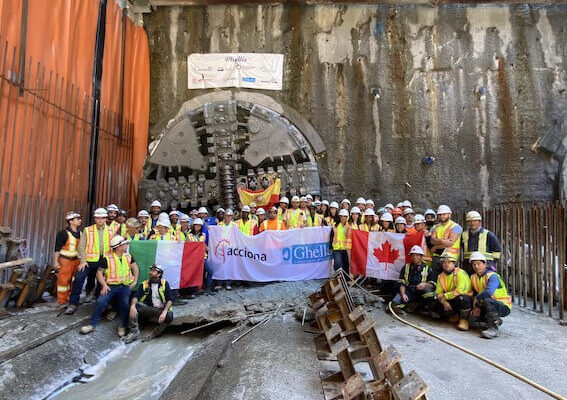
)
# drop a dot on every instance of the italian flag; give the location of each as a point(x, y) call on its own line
point(182, 262)
point(379, 255)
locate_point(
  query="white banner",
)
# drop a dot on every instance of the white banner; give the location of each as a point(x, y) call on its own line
point(293, 255)
point(241, 70)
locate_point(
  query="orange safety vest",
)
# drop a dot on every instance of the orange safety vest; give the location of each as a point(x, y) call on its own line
point(265, 226)
point(501, 294)
point(69, 250)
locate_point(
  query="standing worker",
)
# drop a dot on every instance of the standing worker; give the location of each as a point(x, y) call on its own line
point(155, 210)
point(445, 236)
point(282, 209)
point(273, 223)
point(113, 224)
point(245, 223)
point(294, 215)
point(133, 230)
point(66, 256)
point(491, 300)
point(477, 238)
point(143, 217)
point(93, 247)
point(117, 277)
point(341, 242)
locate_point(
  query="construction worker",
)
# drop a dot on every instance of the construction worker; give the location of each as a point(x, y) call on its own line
point(491, 300)
point(370, 224)
point(419, 226)
point(370, 204)
point(143, 217)
point(400, 225)
point(318, 205)
point(294, 215)
point(333, 218)
point(121, 219)
point(397, 212)
point(417, 282)
point(273, 223)
point(117, 277)
point(445, 235)
point(260, 218)
point(193, 214)
point(345, 204)
point(183, 234)
point(404, 205)
point(309, 200)
point(153, 302)
point(430, 218)
point(203, 212)
point(387, 222)
point(162, 230)
point(155, 210)
point(409, 216)
point(66, 256)
point(197, 235)
point(304, 207)
point(341, 243)
point(174, 221)
point(113, 210)
point(227, 221)
point(315, 216)
point(219, 216)
point(253, 208)
point(93, 247)
point(282, 210)
point(355, 221)
point(324, 208)
point(361, 204)
point(245, 223)
point(133, 230)
point(389, 208)
point(454, 293)
point(477, 238)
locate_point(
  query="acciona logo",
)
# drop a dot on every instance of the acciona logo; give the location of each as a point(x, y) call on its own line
point(224, 249)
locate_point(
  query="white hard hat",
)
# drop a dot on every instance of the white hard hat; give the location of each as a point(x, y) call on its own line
point(334, 204)
point(401, 220)
point(355, 209)
point(156, 203)
point(360, 200)
point(473, 216)
point(117, 241)
point(446, 254)
point(343, 213)
point(197, 221)
point(132, 223)
point(418, 218)
point(174, 212)
point(369, 212)
point(284, 200)
point(112, 207)
point(253, 205)
point(220, 209)
point(370, 202)
point(164, 222)
point(400, 204)
point(389, 205)
point(408, 211)
point(193, 212)
point(295, 198)
point(229, 212)
point(203, 210)
point(345, 201)
point(303, 199)
point(417, 250)
point(185, 218)
point(406, 203)
point(326, 202)
point(316, 203)
point(309, 197)
point(245, 209)
point(443, 209)
point(72, 215)
point(163, 215)
point(260, 211)
point(387, 217)
point(478, 256)
point(143, 213)
point(100, 213)
point(429, 211)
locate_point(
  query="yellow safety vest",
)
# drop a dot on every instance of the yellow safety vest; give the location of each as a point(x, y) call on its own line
point(442, 232)
point(482, 246)
point(182, 236)
point(167, 236)
point(340, 240)
point(175, 230)
point(357, 227)
point(450, 283)
point(114, 228)
point(294, 219)
point(246, 227)
point(231, 223)
point(118, 271)
point(424, 273)
point(93, 253)
point(137, 236)
point(501, 294)
point(146, 289)
point(70, 248)
point(318, 220)
point(330, 221)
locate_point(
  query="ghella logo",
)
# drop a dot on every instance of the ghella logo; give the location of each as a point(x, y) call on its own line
point(224, 249)
point(306, 253)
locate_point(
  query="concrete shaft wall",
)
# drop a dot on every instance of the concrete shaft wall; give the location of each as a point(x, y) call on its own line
point(473, 87)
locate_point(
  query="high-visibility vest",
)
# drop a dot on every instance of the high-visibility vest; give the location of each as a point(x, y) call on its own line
point(181, 236)
point(114, 228)
point(281, 213)
point(424, 273)
point(482, 246)
point(231, 223)
point(294, 219)
point(137, 236)
point(147, 290)
point(356, 226)
point(330, 221)
point(92, 252)
point(175, 230)
point(501, 294)
point(70, 248)
point(246, 227)
point(442, 232)
point(167, 236)
point(450, 283)
point(317, 220)
point(264, 225)
point(118, 271)
point(340, 239)
point(382, 229)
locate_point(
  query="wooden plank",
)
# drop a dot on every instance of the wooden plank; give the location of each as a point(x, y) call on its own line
point(15, 263)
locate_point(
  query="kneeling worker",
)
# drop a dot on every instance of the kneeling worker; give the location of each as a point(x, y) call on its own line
point(117, 278)
point(454, 293)
point(153, 301)
point(491, 299)
point(417, 282)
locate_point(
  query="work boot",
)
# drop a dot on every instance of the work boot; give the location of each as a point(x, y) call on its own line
point(228, 287)
point(121, 331)
point(463, 325)
point(111, 315)
point(399, 309)
point(133, 335)
point(87, 329)
point(454, 319)
point(89, 299)
point(492, 331)
point(210, 292)
point(71, 309)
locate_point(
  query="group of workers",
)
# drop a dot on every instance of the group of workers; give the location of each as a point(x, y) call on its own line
point(432, 280)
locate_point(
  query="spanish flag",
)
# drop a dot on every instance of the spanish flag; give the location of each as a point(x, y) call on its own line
point(263, 198)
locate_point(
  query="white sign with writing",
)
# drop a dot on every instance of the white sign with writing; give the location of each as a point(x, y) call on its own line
point(242, 70)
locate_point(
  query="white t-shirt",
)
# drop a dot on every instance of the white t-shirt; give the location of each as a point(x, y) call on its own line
point(156, 299)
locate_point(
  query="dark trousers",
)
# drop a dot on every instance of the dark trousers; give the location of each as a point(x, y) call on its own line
point(341, 260)
point(122, 293)
point(437, 265)
point(414, 296)
point(88, 274)
point(151, 314)
point(208, 276)
point(490, 308)
point(459, 303)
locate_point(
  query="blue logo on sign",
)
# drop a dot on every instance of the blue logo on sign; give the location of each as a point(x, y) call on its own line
point(306, 253)
point(248, 79)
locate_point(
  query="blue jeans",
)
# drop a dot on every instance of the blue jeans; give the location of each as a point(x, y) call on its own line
point(341, 260)
point(122, 292)
point(208, 275)
point(88, 274)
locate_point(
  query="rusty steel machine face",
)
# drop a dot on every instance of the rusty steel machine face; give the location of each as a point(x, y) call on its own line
point(205, 154)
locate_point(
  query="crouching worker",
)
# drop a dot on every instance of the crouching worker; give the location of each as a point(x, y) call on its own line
point(153, 301)
point(491, 299)
point(454, 294)
point(117, 279)
point(417, 283)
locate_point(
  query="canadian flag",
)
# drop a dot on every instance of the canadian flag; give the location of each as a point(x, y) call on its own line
point(379, 255)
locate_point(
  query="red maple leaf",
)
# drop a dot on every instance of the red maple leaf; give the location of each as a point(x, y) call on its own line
point(385, 254)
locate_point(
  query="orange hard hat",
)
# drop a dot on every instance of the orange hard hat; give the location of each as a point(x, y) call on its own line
point(397, 211)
